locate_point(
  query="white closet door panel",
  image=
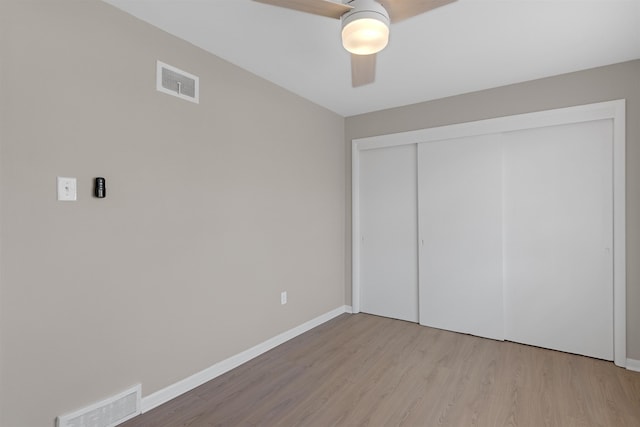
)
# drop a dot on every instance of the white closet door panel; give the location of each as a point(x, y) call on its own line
point(389, 231)
point(460, 217)
point(558, 238)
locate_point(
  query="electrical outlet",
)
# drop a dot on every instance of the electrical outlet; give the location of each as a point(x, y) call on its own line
point(283, 297)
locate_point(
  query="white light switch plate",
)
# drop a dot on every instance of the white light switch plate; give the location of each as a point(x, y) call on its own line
point(67, 189)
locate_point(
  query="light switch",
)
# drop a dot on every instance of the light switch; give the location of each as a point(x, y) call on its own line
point(67, 189)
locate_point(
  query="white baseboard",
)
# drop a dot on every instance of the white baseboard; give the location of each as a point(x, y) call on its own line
point(633, 365)
point(187, 384)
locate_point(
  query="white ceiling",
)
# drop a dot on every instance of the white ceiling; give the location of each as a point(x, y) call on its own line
point(465, 46)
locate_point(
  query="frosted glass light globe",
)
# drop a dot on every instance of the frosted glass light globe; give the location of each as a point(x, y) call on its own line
point(365, 29)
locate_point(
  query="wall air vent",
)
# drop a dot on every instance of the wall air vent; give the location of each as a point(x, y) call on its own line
point(176, 82)
point(108, 413)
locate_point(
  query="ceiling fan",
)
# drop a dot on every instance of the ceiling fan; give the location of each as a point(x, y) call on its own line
point(365, 26)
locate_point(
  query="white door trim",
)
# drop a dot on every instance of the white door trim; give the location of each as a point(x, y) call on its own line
point(613, 110)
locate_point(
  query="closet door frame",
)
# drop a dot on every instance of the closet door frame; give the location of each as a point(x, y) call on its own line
point(610, 110)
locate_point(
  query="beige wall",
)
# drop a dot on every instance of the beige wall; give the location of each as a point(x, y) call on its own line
point(208, 206)
point(600, 84)
point(211, 210)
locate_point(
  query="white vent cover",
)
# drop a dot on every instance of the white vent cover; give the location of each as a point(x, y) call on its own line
point(108, 413)
point(173, 81)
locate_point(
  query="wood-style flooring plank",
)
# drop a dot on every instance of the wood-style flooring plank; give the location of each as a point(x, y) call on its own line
point(363, 370)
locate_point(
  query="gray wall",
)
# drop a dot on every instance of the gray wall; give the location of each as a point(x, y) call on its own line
point(600, 84)
point(211, 210)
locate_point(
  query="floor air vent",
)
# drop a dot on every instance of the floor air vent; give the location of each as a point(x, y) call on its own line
point(176, 82)
point(108, 413)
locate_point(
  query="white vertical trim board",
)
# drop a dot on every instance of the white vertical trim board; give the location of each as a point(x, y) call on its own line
point(610, 110)
point(633, 365)
point(355, 226)
point(619, 233)
point(187, 384)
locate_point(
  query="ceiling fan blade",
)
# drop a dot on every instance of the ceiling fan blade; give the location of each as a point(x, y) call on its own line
point(363, 69)
point(400, 10)
point(326, 8)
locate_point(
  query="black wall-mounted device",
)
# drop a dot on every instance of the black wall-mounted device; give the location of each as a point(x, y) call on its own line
point(100, 188)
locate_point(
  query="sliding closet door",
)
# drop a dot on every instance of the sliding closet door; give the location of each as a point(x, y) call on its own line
point(460, 217)
point(389, 230)
point(558, 238)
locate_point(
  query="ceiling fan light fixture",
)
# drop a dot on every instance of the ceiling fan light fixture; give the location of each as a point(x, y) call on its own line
point(365, 29)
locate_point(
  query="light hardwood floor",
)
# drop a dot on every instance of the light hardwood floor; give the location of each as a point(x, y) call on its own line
point(359, 370)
